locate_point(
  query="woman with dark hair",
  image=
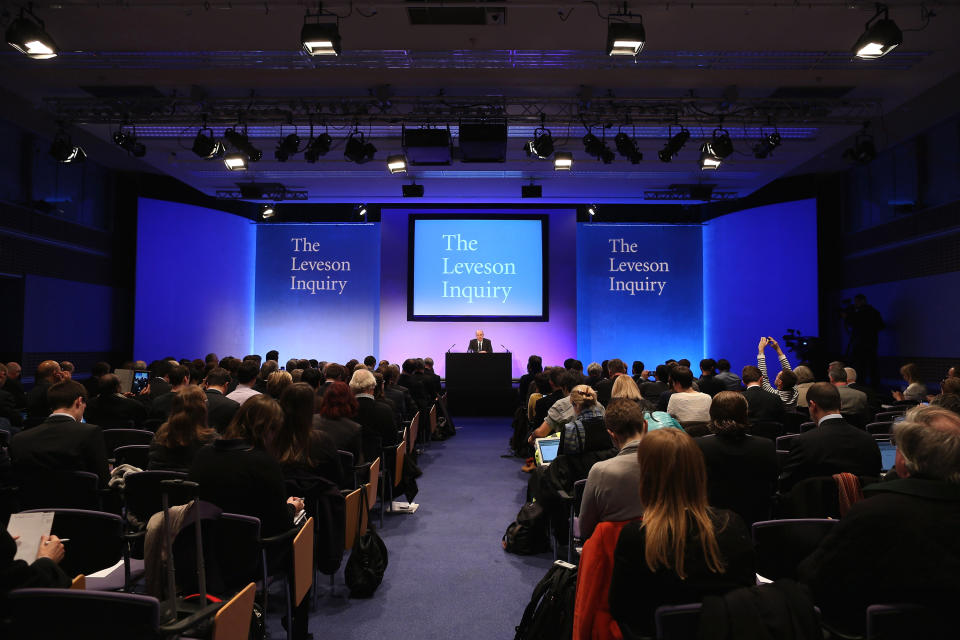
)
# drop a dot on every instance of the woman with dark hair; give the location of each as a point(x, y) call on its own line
point(337, 407)
point(534, 366)
point(178, 439)
point(741, 469)
point(298, 447)
point(683, 549)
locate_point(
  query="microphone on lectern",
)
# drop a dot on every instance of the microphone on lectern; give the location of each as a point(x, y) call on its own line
point(505, 349)
point(451, 347)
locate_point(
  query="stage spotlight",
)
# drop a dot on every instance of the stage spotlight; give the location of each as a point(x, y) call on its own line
point(625, 38)
point(397, 163)
point(27, 34)
point(358, 150)
point(206, 146)
point(413, 190)
point(879, 38)
point(563, 161)
point(361, 210)
point(709, 160)
point(63, 150)
point(531, 190)
point(541, 146)
point(287, 147)
point(627, 148)
point(267, 211)
point(128, 142)
point(236, 161)
point(766, 145)
point(320, 39)
point(317, 147)
point(863, 150)
point(593, 210)
point(598, 149)
point(674, 144)
point(721, 145)
point(241, 142)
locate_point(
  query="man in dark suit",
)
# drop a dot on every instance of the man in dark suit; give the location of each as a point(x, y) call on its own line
point(179, 377)
point(835, 446)
point(220, 409)
point(111, 407)
point(159, 380)
point(14, 385)
point(376, 419)
point(48, 374)
point(8, 403)
point(616, 367)
point(708, 380)
point(62, 442)
point(763, 405)
point(414, 384)
point(397, 393)
point(332, 372)
point(480, 344)
point(97, 371)
point(431, 379)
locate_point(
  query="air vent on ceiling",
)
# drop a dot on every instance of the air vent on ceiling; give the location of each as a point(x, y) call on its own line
point(453, 15)
point(812, 93)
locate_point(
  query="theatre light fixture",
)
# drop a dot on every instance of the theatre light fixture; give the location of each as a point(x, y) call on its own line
point(241, 143)
point(863, 150)
point(362, 210)
point(541, 146)
point(286, 147)
point(563, 161)
point(27, 34)
point(413, 190)
point(625, 38)
point(597, 148)
point(879, 38)
point(206, 146)
point(627, 147)
point(593, 210)
point(357, 149)
point(766, 145)
point(317, 147)
point(397, 163)
point(267, 211)
point(63, 150)
point(127, 140)
point(531, 190)
point(320, 38)
point(709, 160)
point(236, 161)
point(673, 145)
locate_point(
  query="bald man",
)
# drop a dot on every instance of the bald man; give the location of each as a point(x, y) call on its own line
point(48, 373)
point(480, 344)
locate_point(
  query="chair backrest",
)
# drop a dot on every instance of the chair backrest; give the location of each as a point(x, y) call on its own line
point(346, 469)
point(879, 427)
point(137, 455)
point(143, 493)
point(807, 426)
point(782, 544)
point(238, 549)
point(792, 421)
point(71, 613)
point(678, 622)
point(578, 488)
point(414, 430)
point(96, 539)
point(784, 443)
point(398, 463)
point(782, 456)
point(374, 485)
point(59, 490)
point(433, 419)
point(898, 621)
point(233, 619)
point(883, 416)
point(352, 521)
point(303, 562)
point(4, 438)
point(696, 428)
point(768, 429)
point(114, 438)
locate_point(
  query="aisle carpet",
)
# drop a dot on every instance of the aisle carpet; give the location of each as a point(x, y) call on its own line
point(448, 576)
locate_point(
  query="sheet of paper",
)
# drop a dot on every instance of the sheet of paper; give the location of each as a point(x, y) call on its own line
point(30, 527)
point(105, 573)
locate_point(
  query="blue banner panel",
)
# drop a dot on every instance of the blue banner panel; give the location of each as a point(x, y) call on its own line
point(639, 293)
point(317, 290)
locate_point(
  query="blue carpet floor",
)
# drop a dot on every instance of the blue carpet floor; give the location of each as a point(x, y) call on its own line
point(448, 577)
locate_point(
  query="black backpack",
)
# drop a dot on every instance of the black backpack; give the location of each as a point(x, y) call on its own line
point(528, 534)
point(549, 615)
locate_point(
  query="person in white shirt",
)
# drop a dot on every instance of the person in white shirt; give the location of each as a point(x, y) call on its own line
point(687, 404)
point(246, 378)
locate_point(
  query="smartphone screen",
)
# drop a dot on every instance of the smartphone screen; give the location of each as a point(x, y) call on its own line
point(140, 379)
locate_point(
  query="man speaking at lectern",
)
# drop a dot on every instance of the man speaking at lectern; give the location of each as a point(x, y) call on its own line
point(480, 344)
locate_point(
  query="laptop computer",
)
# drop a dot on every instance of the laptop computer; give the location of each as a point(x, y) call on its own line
point(546, 450)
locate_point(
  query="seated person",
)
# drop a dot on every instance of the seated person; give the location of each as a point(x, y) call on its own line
point(611, 490)
point(916, 390)
point(652, 390)
point(44, 572)
point(900, 544)
point(300, 449)
point(178, 439)
point(741, 469)
point(763, 406)
point(111, 407)
point(625, 387)
point(683, 549)
point(834, 446)
point(687, 404)
point(62, 442)
point(333, 418)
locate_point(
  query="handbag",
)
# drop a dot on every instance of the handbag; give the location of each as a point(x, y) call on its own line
point(368, 559)
point(583, 436)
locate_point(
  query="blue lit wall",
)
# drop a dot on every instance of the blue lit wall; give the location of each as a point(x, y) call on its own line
point(67, 316)
point(759, 278)
point(639, 292)
point(194, 282)
point(317, 290)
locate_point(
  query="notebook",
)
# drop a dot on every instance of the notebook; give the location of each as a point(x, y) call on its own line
point(546, 450)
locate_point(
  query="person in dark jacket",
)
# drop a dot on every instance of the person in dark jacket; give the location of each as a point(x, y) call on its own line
point(298, 447)
point(44, 572)
point(683, 549)
point(333, 418)
point(741, 469)
point(179, 439)
point(900, 544)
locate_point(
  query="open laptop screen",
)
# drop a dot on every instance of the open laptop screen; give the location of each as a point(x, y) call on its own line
point(548, 448)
